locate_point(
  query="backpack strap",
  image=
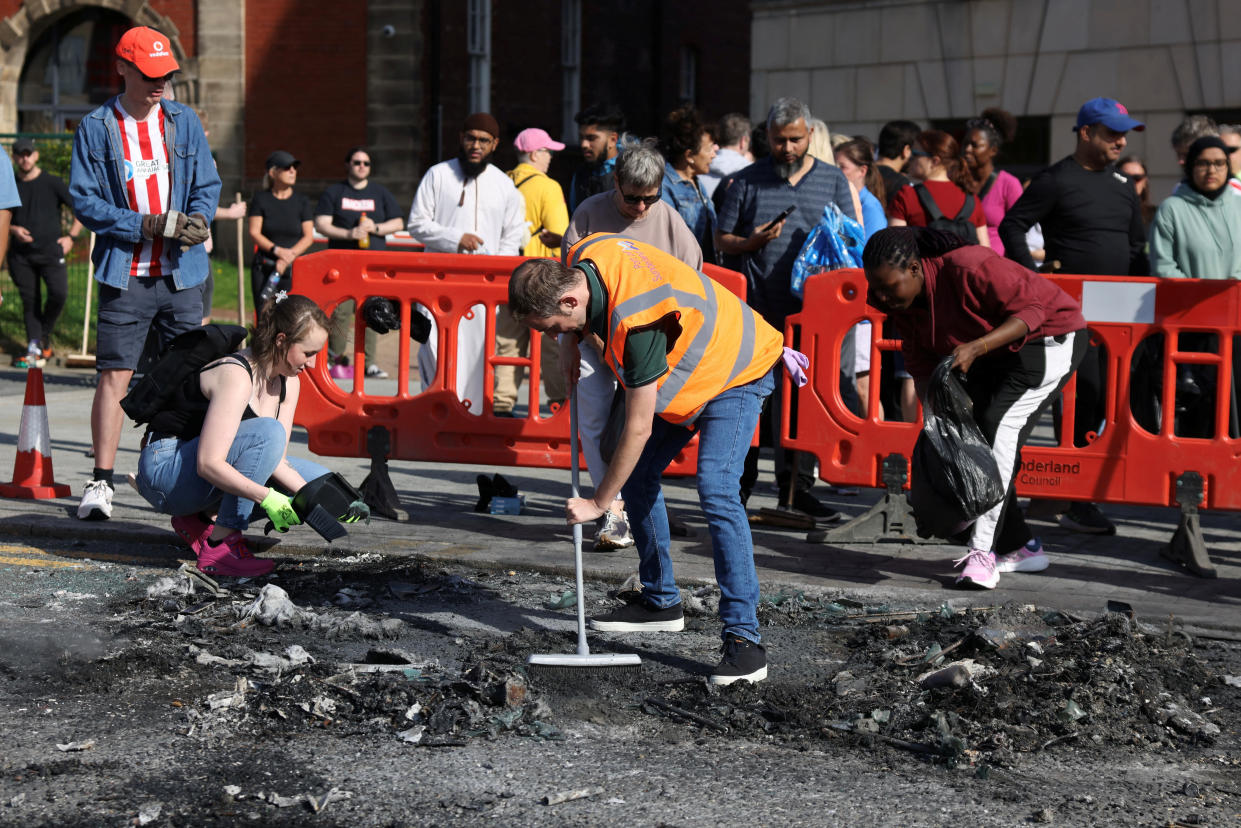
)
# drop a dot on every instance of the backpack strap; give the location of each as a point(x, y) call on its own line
point(967, 209)
point(527, 178)
point(933, 213)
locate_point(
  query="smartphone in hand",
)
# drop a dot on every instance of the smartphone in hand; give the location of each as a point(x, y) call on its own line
point(787, 212)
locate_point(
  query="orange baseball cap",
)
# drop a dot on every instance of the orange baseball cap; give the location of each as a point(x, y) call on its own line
point(149, 50)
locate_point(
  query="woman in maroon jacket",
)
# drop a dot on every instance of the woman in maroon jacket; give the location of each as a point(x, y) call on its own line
point(1015, 335)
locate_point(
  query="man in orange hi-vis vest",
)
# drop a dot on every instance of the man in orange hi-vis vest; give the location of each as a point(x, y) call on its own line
point(693, 358)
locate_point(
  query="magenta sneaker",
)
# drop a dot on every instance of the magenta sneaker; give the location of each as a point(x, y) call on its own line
point(232, 556)
point(341, 372)
point(979, 569)
point(192, 529)
point(1029, 558)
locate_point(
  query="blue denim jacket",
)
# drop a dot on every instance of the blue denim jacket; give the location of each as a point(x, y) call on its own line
point(100, 201)
point(689, 199)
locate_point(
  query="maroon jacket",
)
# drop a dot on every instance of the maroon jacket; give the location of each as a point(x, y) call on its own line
point(971, 291)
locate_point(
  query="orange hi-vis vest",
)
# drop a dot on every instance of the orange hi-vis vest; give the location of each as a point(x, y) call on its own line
point(715, 340)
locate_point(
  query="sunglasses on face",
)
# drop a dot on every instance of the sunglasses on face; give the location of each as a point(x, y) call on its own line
point(360, 163)
point(161, 79)
point(290, 167)
point(649, 201)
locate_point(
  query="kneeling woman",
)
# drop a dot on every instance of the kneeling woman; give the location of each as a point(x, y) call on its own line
point(241, 411)
point(1015, 335)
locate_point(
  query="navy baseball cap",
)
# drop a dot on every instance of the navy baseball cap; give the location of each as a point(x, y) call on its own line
point(1112, 114)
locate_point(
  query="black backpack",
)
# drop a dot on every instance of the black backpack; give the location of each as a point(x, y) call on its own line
point(185, 355)
point(960, 226)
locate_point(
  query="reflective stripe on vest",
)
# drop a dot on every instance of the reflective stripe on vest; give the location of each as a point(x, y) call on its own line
point(678, 399)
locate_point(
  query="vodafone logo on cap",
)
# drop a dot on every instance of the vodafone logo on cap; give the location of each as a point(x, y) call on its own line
point(160, 50)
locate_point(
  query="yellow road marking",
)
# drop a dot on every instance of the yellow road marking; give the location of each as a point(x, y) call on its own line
point(42, 562)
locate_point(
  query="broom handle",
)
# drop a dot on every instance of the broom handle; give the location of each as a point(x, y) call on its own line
point(241, 288)
point(90, 278)
point(574, 472)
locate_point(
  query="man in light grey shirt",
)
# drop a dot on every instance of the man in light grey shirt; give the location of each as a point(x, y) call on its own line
point(733, 137)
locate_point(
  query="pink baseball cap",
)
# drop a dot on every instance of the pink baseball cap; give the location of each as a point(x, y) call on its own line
point(529, 140)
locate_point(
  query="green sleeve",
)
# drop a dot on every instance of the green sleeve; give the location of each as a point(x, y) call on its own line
point(646, 357)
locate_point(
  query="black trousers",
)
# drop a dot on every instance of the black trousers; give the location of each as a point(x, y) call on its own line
point(43, 285)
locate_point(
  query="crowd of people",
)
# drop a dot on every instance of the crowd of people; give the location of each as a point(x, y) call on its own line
point(654, 351)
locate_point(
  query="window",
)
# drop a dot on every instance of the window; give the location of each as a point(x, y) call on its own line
point(478, 44)
point(689, 75)
point(69, 70)
point(570, 66)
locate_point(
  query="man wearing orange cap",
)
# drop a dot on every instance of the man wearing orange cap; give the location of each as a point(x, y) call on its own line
point(143, 180)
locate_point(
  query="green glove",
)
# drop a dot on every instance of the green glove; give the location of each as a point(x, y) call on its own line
point(280, 510)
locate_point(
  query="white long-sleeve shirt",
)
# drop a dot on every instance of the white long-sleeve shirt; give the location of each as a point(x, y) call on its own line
point(447, 206)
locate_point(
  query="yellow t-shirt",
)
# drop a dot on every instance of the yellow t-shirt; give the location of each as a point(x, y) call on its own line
point(545, 208)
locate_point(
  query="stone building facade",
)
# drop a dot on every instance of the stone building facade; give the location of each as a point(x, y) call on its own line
point(859, 63)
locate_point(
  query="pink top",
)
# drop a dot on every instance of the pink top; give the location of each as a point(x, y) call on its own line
point(1002, 195)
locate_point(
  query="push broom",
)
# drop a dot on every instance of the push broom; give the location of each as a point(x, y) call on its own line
point(583, 658)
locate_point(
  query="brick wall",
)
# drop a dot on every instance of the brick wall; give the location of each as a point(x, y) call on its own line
point(183, 15)
point(305, 85)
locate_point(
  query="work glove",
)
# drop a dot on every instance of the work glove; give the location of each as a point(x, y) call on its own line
point(164, 225)
point(381, 317)
point(279, 509)
point(196, 231)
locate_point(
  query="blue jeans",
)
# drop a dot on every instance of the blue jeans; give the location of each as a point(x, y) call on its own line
point(725, 428)
point(168, 472)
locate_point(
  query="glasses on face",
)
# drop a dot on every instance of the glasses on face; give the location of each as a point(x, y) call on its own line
point(481, 140)
point(357, 163)
point(649, 201)
point(162, 79)
point(25, 154)
point(1139, 177)
point(292, 167)
point(1207, 164)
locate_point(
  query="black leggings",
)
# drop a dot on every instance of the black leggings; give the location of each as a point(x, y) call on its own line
point(40, 312)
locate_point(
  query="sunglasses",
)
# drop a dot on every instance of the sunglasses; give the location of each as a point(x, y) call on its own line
point(161, 79)
point(293, 167)
point(1139, 178)
point(360, 163)
point(649, 201)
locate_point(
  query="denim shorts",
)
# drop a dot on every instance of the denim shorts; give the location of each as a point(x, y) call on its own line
point(151, 305)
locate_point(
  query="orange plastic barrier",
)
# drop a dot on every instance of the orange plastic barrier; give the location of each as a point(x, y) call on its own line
point(433, 425)
point(1125, 463)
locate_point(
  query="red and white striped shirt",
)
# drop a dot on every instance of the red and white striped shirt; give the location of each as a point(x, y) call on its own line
point(147, 182)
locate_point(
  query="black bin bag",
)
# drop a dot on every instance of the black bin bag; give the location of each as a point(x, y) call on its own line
point(955, 479)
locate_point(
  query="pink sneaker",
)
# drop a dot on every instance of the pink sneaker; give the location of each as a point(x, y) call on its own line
point(979, 569)
point(192, 529)
point(341, 372)
point(232, 556)
point(1029, 558)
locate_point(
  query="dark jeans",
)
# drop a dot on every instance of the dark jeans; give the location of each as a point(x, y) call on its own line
point(40, 308)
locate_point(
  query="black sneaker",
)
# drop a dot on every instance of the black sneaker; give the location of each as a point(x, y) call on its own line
point(639, 616)
point(808, 504)
point(1086, 518)
point(743, 660)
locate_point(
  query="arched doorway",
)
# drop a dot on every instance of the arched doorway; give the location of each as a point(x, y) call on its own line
point(70, 69)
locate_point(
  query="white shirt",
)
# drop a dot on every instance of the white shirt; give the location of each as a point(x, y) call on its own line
point(447, 206)
point(147, 183)
point(725, 163)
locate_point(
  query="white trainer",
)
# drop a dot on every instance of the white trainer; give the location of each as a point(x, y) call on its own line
point(96, 501)
point(614, 534)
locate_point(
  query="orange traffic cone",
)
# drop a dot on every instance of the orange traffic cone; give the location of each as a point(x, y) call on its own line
point(32, 469)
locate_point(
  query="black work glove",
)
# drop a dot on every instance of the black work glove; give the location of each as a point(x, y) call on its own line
point(381, 317)
point(165, 225)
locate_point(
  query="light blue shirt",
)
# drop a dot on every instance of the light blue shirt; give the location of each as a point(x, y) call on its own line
point(8, 186)
point(693, 205)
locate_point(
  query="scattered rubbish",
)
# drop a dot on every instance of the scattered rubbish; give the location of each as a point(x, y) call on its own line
point(893, 632)
point(348, 597)
point(1043, 815)
point(685, 714)
point(957, 674)
point(230, 698)
point(170, 588)
point(569, 796)
point(1232, 681)
point(70, 747)
point(1070, 712)
point(1183, 719)
point(200, 580)
point(1120, 608)
point(274, 608)
point(149, 812)
point(232, 791)
point(567, 599)
point(413, 735)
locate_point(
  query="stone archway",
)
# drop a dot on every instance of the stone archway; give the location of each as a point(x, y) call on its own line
point(21, 29)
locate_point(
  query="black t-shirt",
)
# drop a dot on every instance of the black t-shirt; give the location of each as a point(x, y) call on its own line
point(892, 183)
point(1091, 220)
point(346, 204)
point(40, 214)
point(282, 217)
